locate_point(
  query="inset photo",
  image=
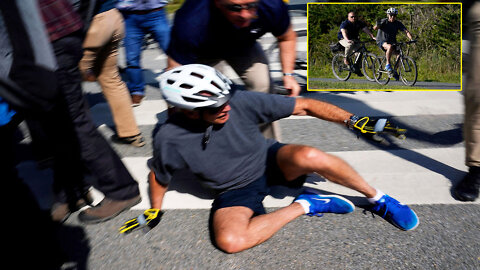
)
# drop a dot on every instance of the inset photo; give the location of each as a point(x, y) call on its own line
point(384, 46)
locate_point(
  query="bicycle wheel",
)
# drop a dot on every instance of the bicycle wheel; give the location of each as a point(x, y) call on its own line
point(368, 64)
point(381, 75)
point(340, 70)
point(408, 71)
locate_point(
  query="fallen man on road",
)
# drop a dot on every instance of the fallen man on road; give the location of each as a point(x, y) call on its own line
point(215, 134)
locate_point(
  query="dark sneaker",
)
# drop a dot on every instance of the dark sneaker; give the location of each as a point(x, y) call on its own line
point(396, 213)
point(137, 140)
point(60, 212)
point(467, 190)
point(107, 209)
point(396, 76)
point(326, 203)
point(137, 100)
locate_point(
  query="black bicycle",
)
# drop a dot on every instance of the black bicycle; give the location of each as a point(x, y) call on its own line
point(404, 67)
point(364, 62)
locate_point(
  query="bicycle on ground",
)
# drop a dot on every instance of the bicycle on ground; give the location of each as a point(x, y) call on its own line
point(363, 63)
point(404, 67)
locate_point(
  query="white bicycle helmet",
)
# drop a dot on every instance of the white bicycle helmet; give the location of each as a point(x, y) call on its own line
point(195, 86)
point(393, 11)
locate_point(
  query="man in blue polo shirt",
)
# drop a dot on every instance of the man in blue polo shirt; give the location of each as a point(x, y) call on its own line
point(208, 31)
point(349, 34)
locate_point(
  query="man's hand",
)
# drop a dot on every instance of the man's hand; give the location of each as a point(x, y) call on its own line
point(292, 85)
point(149, 219)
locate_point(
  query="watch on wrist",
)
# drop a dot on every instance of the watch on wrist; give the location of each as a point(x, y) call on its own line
point(350, 122)
point(287, 74)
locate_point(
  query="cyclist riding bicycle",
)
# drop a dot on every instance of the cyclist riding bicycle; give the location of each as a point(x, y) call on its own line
point(349, 33)
point(215, 135)
point(387, 34)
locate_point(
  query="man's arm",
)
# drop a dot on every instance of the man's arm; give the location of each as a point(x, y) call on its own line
point(157, 191)
point(287, 43)
point(408, 34)
point(366, 30)
point(321, 110)
point(344, 34)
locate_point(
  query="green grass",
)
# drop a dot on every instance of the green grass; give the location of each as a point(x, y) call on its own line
point(441, 71)
point(346, 86)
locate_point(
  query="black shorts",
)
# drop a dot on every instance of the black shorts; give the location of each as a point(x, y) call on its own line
point(252, 195)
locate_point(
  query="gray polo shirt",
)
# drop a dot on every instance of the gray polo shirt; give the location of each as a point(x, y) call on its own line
point(236, 152)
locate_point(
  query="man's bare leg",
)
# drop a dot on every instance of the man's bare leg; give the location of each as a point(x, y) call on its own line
point(298, 160)
point(389, 51)
point(236, 229)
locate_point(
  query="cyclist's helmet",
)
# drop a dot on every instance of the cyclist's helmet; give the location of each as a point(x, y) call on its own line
point(195, 86)
point(392, 11)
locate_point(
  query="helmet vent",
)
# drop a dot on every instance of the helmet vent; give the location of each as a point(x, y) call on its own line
point(216, 85)
point(188, 99)
point(170, 81)
point(186, 86)
point(205, 93)
point(195, 74)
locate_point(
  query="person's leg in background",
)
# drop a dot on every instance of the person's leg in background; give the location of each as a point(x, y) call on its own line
point(158, 25)
point(252, 67)
point(100, 56)
point(133, 41)
point(468, 188)
point(112, 177)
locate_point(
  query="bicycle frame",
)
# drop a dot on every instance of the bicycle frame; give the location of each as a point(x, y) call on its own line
point(361, 51)
point(400, 56)
point(403, 65)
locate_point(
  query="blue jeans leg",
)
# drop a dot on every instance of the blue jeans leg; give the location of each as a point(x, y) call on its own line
point(157, 24)
point(133, 48)
point(136, 27)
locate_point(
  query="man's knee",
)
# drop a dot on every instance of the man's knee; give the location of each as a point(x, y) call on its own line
point(387, 46)
point(310, 158)
point(230, 242)
point(257, 78)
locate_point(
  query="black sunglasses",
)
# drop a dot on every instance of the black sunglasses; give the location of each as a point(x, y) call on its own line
point(215, 110)
point(238, 7)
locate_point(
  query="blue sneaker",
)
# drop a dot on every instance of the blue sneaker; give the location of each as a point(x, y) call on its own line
point(326, 204)
point(396, 213)
point(388, 68)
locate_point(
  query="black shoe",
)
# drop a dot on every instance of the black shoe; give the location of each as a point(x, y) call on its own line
point(107, 209)
point(396, 76)
point(468, 188)
point(137, 140)
point(60, 211)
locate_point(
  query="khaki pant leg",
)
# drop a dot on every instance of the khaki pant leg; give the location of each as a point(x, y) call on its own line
point(472, 92)
point(101, 44)
point(253, 69)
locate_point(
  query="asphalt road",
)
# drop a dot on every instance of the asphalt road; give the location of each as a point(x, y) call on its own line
point(447, 238)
